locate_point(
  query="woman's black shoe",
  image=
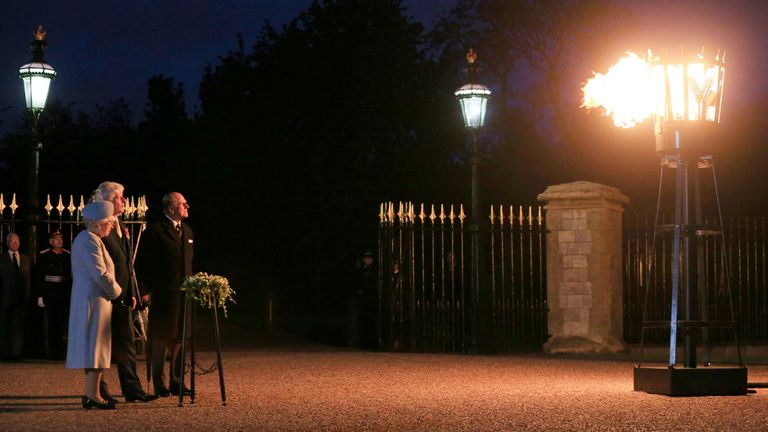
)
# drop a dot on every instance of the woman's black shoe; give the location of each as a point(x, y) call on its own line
point(89, 403)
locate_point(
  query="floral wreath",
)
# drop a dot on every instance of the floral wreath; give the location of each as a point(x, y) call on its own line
point(209, 290)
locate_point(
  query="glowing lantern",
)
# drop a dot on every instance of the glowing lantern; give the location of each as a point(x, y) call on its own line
point(473, 97)
point(37, 75)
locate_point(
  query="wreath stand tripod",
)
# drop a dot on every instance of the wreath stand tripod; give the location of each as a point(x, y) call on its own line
point(189, 321)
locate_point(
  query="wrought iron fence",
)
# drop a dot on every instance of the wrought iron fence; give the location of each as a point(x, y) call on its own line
point(66, 218)
point(744, 253)
point(425, 303)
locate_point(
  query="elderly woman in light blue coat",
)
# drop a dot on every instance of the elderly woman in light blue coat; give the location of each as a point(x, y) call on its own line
point(90, 317)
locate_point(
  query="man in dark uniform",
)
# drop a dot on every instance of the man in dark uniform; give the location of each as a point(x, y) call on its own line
point(164, 260)
point(16, 282)
point(120, 249)
point(54, 270)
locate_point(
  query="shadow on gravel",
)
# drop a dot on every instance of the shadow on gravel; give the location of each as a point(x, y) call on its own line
point(37, 403)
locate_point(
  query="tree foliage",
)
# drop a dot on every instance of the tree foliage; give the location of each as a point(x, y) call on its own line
point(536, 51)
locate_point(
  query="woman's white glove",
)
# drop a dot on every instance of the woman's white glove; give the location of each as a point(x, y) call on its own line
point(40, 302)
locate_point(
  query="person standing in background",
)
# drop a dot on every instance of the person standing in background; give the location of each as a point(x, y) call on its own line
point(16, 281)
point(54, 277)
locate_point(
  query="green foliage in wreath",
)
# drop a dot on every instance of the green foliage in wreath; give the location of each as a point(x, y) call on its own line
point(209, 290)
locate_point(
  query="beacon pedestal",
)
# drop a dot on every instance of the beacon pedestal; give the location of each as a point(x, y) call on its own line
point(690, 316)
point(700, 381)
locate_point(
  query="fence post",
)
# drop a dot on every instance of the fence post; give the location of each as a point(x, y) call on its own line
point(584, 267)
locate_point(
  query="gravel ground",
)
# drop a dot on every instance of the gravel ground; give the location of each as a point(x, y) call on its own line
point(336, 390)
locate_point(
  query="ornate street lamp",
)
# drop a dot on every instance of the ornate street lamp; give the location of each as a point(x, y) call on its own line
point(473, 99)
point(37, 76)
point(683, 93)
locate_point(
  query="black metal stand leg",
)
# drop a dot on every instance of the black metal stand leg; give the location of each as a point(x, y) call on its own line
point(727, 269)
point(192, 327)
point(148, 358)
point(218, 356)
point(183, 350)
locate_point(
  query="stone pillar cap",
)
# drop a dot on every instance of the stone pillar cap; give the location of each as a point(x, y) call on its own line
point(582, 190)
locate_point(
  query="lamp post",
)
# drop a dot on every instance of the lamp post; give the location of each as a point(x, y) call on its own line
point(473, 99)
point(688, 92)
point(37, 76)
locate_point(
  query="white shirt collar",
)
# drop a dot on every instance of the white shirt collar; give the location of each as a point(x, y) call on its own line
point(175, 224)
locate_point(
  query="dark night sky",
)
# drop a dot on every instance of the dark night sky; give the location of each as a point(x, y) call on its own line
point(108, 49)
point(104, 50)
point(738, 26)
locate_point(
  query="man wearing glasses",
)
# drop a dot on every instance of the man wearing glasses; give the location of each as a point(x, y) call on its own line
point(164, 260)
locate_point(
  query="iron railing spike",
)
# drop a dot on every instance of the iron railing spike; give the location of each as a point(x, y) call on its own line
point(48, 207)
point(13, 205)
point(60, 207)
point(492, 216)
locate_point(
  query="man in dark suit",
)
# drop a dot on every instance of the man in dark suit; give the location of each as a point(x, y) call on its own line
point(16, 286)
point(164, 260)
point(54, 283)
point(120, 248)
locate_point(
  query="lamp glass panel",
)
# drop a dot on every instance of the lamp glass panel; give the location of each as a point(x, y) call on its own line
point(27, 90)
point(39, 86)
point(473, 108)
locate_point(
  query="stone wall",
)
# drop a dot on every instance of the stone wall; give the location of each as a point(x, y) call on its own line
point(584, 267)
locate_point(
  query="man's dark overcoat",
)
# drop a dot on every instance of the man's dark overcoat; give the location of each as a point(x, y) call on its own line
point(15, 289)
point(164, 260)
point(120, 249)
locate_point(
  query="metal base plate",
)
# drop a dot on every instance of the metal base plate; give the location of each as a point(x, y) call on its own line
point(703, 381)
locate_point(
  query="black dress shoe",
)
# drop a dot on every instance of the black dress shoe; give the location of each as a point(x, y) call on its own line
point(185, 391)
point(140, 397)
point(89, 403)
point(162, 392)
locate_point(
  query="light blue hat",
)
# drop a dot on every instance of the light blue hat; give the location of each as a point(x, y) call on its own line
point(98, 210)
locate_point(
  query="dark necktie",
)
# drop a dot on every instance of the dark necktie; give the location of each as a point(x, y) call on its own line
point(15, 262)
point(177, 227)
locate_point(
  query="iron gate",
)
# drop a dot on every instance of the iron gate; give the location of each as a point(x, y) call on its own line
point(425, 303)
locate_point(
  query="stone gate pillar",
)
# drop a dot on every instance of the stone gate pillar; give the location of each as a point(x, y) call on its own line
point(584, 267)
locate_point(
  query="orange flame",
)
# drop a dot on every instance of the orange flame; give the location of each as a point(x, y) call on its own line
point(625, 92)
